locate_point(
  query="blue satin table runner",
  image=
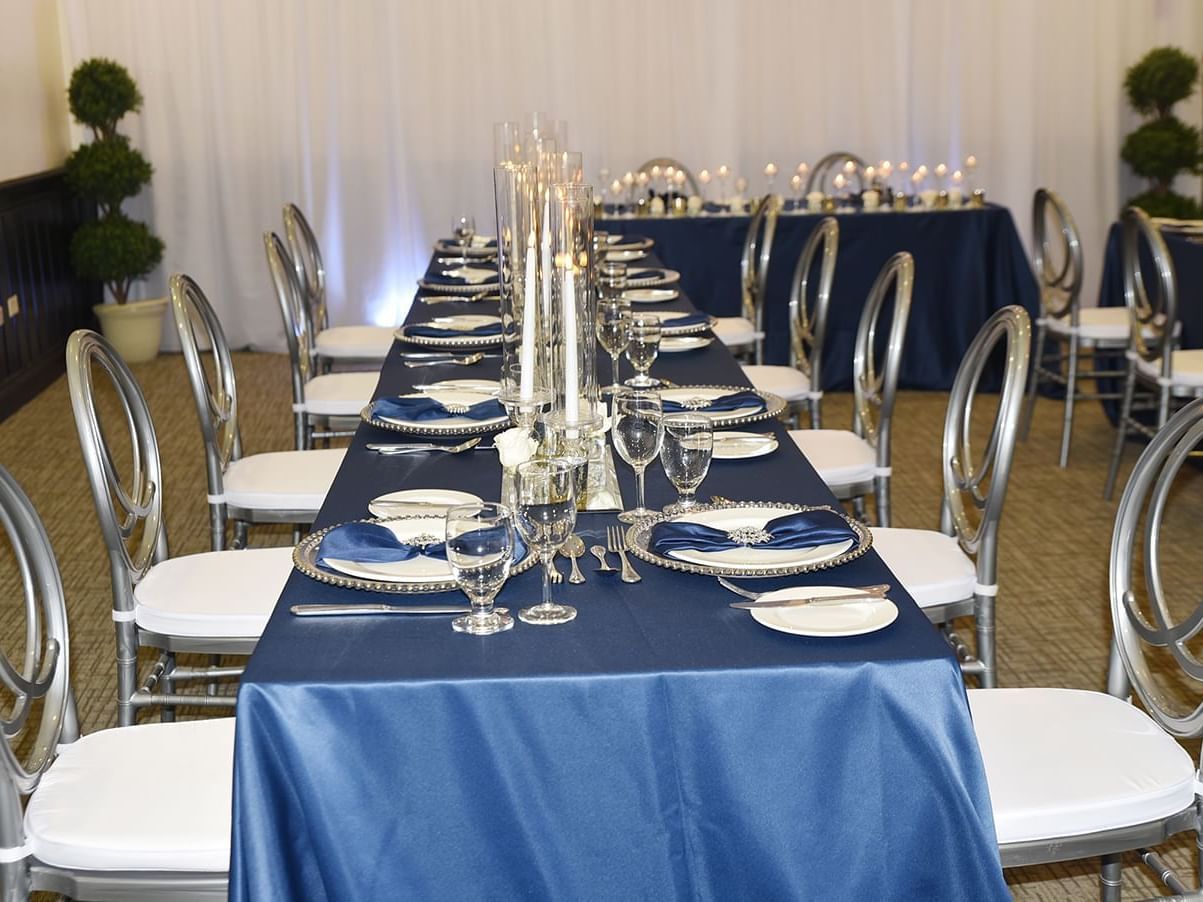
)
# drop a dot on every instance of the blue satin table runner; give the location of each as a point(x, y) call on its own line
point(660, 746)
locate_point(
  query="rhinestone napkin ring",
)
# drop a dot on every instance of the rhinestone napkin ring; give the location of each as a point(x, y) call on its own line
point(696, 403)
point(749, 535)
point(424, 540)
point(456, 409)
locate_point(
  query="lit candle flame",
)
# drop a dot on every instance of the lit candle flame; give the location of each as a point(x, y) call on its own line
point(704, 176)
point(770, 169)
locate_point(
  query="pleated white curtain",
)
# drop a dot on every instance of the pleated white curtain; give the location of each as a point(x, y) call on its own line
point(376, 116)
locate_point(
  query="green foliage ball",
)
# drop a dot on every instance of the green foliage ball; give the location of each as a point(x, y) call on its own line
point(1163, 77)
point(108, 171)
point(115, 249)
point(101, 92)
point(1162, 148)
point(1168, 204)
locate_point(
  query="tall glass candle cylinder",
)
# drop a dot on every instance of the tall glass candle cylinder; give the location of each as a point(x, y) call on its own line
point(570, 322)
point(524, 346)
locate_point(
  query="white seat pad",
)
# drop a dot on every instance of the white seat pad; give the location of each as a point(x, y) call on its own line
point(783, 381)
point(930, 565)
point(840, 456)
point(735, 330)
point(1066, 762)
point(1109, 324)
point(282, 480)
point(85, 812)
point(1187, 366)
point(366, 342)
point(340, 394)
point(217, 593)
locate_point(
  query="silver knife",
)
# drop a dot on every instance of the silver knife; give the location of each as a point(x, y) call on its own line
point(339, 610)
point(820, 601)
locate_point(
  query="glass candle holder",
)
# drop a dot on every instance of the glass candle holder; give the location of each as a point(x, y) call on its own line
point(573, 309)
point(524, 344)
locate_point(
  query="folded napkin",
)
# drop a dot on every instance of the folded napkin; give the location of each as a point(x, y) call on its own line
point(806, 529)
point(470, 276)
point(686, 319)
point(431, 331)
point(621, 241)
point(734, 401)
point(478, 241)
point(371, 543)
point(417, 410)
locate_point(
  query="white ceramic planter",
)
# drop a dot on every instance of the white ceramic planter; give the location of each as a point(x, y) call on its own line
point(135, 328)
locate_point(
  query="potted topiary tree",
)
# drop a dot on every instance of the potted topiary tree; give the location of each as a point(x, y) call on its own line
point(1165, 145)
point(113, 249)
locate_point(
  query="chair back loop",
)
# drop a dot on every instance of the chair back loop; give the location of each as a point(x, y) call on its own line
point(130, 514)
point(808, 319)
point(1147, 496)
point(1151, 319)
point(754, 262)
point(294, 309)
point(975, 488)
point(832, 165)
point(200, 332)
point(306, 257)
point(1055, 237)
point(875, 388)
point(43, 672)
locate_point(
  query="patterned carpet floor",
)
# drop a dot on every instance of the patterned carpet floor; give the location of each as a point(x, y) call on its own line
point(1053, 623)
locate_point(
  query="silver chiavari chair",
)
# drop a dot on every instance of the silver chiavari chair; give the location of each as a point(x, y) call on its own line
point(953, 572)
point(745, 333)
point(1082, 331)
point(856, 463)
point(213, 603)
point(1154, 363)
point(342, 344)
point(831, 166)
point(801, 383)
point(271, 487)
point(319, 402)
point(1077, 774)
point(69, 819)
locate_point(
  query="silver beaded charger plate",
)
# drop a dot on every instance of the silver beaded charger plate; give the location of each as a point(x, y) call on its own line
point(485, 286)
point(696, 398)
point(478, 250)
point(620, 243)
point(667, 329)
point(646, 278)
point(426, 574)
point(467, 321)
point(745, 521)
point(451, 426)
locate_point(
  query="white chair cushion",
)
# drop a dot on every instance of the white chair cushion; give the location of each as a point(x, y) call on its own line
point(365, 342)
point(840, 456)
point(340, 394)
point(735, 330)
point(85, 813)
point(930, 565)
point(1105, 324)
point(1066, 762)
point(282, 480)
point(783, 381)
point(1187, 367)
point(217, 593)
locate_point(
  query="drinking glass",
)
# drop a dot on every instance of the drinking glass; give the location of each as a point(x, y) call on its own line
point(686, 450)
point(574, 441)
point(638, 431)
point(463, 228)
point(614, 332)
point(480, 551)
point(546, 516)
point(643, 348)
point(524, 404)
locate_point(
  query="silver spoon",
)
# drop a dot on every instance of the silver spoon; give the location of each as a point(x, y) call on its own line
point(469, 360)
point(572, 549)
point(599, 552)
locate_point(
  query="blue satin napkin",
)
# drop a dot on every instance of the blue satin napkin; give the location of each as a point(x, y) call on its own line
point(688, 319)
point(734, 401)
point(437, 278)
point(806, 529)
point(418, 410)
point(371, 543)
point(440, 332)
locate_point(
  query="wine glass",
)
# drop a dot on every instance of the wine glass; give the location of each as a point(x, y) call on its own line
point(480, 551)
point(463, 229)
point(546, 516)
point(685, 452)
point(643, 348)
point(638, 431)
point(614, 332)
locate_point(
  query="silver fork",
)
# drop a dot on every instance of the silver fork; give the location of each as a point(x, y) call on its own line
point(617, 543)
point(869, 591)
point(553, 574)
point(423, 446)
point(469, 360)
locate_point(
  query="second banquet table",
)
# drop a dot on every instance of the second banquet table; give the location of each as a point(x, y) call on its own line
point(660, 746)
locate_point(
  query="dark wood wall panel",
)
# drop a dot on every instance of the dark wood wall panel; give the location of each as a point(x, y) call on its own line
point(37, 217)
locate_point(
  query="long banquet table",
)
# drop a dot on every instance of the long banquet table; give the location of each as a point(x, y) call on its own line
point(660, 746)
point(968, 264)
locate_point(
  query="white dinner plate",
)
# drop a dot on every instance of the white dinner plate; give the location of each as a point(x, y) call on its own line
point(675, 344)
point(852, 619)
point(418, 569)
point(426, 501)
point(650, 295)
point(647, 277)
point(752, 558)
point(742, 445)
point(449, 423)
point(625, 256)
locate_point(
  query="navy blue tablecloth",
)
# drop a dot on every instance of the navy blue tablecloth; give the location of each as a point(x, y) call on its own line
point(1187, 255)
point(660, 746)
point(968, 264)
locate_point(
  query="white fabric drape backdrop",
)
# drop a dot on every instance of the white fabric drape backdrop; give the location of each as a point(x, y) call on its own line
point(376, 116)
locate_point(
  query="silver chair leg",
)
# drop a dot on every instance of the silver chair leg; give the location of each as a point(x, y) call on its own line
point(983, 618)
point(816, 413)
point(217, 527)
point(1034, 379)
point(1121, 432)
point(858, 508)
point(881, 494)
point(1071, 390)
point(1118, 683)
point(301, 423)
point(127, 673)
point(167, 683)
point(240, 530)
point(1111, 878)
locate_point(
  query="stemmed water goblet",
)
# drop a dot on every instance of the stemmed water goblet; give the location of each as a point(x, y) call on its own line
point(463, 229)
point(643, 349)
point(546, 515)
point(614, 332)
point(638, 430)
point(685, 452)
point(480, 552)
